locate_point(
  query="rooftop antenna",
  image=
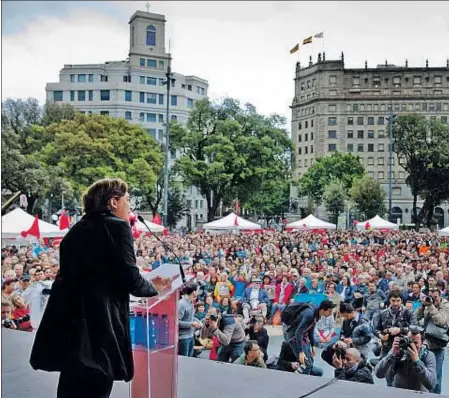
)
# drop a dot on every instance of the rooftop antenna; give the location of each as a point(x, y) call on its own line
point(147, 7)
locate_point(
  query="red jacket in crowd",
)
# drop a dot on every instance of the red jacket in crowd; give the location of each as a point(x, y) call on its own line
point(287, 294)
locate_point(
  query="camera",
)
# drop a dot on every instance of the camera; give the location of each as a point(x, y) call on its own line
point(340, 352)
point(428, 300)
point(211, 317)
point(404, 344)
point(7, 323)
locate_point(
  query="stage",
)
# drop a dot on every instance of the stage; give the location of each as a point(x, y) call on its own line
point(197, 378)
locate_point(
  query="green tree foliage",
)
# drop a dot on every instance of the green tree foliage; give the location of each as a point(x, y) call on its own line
point(334, 199)
point(228, 151)
point(343, 167)
point(422, 147)
point(368, 197)
point(177, 207)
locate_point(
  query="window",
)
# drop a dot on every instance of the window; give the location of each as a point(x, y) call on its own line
point(161, 99)
point(380, 175)
point(350, 121)
point(160, 118)
point(81, 96)
point(127, 79)
point(438, 106)
point(299, 137)
point(306, 150)
point(81, 78)
point(311, 123)
point(142, 61)
point(360, 134)
point(381, 134)
point(417, 80)
point(161, 82)
point(359, 147)
point(424, 106)
point(333, 93)
point(332, 80)
point(72, 78)
point(103, 78)
point(306, 137)
point(128, 115)
point(360, 121)
point(401, 175)
point(152, 132)
point(362, 107)
point(141, 117)
point(438, 92)
point(174, 100)
point(104, 113)
point(332, 147)
point(309, 84)
point(128, 96)
point(350, 147)
point(305, 163)
point(160, 135)
point(332, 121)
point(200, 90)
point(89, 113)
point(355, 107)
point(332, 108)
point(174, 118)
point(371, 174)
point(380, 147)
point(189, 87)
point(151, 98)
point(437, 80)
point(91, 95)
point(189, 103)
point(311, 148)
point(397, 81)
point(370, 134)
point(397, 191)
point(141, 97)
point(57, 96)
point(151, 63)
point(376, 81)
point(299, 151)
point(72, 95)
point(443, 119)
point(306, 124)
point(161, 64)
point(370, 161)
point(299, 126)
point(371, 149)
point(332, 134)
point(91, 78)
point(152, 81)
point(380, 161)
point(370, 121)
point(142, 79)
point(151, 35)
point(104, 95)
point(381, 121)
point(151, 117)
point(350, 133)
point(356, 81)
point(396, 92)
point(303, 86)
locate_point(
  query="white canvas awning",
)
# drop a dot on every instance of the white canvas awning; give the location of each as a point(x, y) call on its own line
point(376, 223)
point(18, 220)
point(311, 222)
point(444, 232)
point(153, 227)
point(231, 222)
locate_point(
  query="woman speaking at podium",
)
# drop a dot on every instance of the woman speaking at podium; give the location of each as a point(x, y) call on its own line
point(84, 333)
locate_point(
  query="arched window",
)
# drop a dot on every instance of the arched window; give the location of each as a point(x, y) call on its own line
point(439, 215)
point(396, 213)
point(151, 35)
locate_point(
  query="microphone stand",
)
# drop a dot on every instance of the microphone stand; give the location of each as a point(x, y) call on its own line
point(181, 270)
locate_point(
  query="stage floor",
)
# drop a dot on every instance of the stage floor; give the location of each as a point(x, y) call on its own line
point(197, 378)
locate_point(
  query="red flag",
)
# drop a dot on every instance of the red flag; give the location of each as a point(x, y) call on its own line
point(237, 206)
point(165, 233)
point(34, 230)
point(367, 226)
point(64, 221)
point(157, 219)
point(236, 221)
point(136, 232)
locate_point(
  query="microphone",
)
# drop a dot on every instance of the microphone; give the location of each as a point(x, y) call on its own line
point(181, 270)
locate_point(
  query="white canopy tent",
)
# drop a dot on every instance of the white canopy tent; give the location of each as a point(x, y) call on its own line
point(311, 222)
point(376, 223)
point(153, 227)
point(18, 220)
point(231, 222)
point(444, 232)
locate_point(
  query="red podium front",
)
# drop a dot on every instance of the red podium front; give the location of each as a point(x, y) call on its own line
point(154, 333)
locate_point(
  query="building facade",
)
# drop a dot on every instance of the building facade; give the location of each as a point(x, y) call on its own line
point(134, 89)
point(346, 110)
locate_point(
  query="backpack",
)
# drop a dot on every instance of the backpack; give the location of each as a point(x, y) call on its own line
point(291, 313)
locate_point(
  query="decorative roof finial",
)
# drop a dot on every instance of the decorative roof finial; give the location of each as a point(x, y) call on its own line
point(406, 63)
point(147, 7)
point(427, 63)
point(319, 57)
point(324, 56)
point(366, 64)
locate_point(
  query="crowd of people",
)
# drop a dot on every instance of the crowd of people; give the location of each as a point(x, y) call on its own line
point(382, 310)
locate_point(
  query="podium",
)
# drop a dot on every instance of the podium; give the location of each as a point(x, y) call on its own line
point(154, 336)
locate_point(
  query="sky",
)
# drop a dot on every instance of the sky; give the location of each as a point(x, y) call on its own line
point(241, 48)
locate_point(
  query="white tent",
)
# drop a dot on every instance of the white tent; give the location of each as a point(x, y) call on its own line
point(376, 223)
point(444, 232)
point(17, 221)
point(153, 227)
point(311, 222)
point(231, 222)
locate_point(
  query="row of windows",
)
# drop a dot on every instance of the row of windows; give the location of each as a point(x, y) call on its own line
point(397, 107)
point(82, 78)
point(306, 124)
point(151, 63)
point(369, 147)
point(370, 120)
point(306, 150)
point(306, 137)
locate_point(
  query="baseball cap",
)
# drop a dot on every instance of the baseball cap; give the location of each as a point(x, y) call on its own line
point(25, 278)
point(326, 305)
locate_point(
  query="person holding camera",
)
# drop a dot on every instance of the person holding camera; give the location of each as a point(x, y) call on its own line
point(409, 364)
point(7, 322)
point(229, 332)
point(256, 331)
point(435, 313)
point(252, 355)
point(351, 366)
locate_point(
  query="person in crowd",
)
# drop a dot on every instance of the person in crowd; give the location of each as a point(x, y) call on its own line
point(412, 367)
point(352, 366)
point(345, 289)
point(283, 295)
point(8, 287)
point(381, 281)
point(416, 293)
point(435, 312)
point(7, 321)
point(252, 355)
point(200, 311)
point(186, 322)
point(255, 298)
point(225, 305)
point(20, 313)
point(256, 331)
point(373, 302)
point(223, 288)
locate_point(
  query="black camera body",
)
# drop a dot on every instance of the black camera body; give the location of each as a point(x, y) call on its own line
point(404, 343)
point(210, 317)
point(340, 352)
point(428, 300)
point(7, 323)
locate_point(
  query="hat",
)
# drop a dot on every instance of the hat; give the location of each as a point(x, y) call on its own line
point(25, 278)
point(257, 280)
point(346, 308)
point(326, 305)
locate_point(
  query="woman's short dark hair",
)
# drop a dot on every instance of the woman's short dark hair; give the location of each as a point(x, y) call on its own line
point(96, 199)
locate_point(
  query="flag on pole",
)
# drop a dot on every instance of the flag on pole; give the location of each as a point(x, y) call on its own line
point(64, 221)
point(319, 35)
point(294, 49)
point(307, 41)
point(34, 230)
point(157, 219)
point(237, 207)
point(236, 221)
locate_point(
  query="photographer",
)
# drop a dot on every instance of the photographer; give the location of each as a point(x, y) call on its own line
point(392, 322)
point(435, 313)
point(351, 366)
point(409, 364)
point(7, 322)
point(256, 331)
point(229, 332)
point(252, 355)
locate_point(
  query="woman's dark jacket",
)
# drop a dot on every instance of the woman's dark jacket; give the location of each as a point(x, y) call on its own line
point(85, 326)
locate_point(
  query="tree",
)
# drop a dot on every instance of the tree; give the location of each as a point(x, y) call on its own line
point(422, 147)
point(229, 152)
point(368, 197)
point(177, 207)
point(343, 167)
point(334, 199)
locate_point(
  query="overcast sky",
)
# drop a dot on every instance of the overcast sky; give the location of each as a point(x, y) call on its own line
point(241, 48)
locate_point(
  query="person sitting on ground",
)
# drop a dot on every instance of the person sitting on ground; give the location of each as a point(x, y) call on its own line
point(252, 355)
point(352, 367)
point(256, 331)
